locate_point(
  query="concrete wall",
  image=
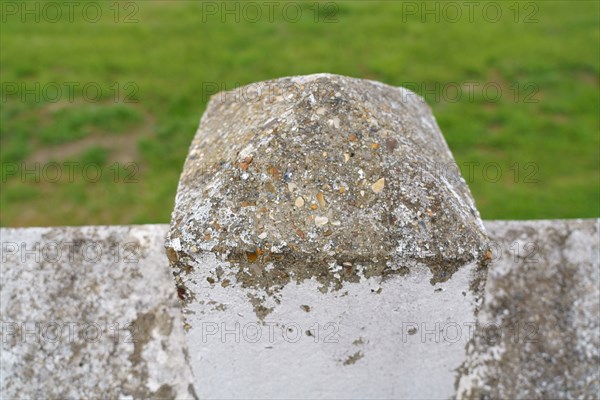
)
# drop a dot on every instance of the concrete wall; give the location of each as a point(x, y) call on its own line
point(554, 300)
point(315, 250)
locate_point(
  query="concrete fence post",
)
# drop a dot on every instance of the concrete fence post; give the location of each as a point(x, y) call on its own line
point(324, 244)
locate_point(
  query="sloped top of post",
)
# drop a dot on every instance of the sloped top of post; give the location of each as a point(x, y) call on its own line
point(313, 171)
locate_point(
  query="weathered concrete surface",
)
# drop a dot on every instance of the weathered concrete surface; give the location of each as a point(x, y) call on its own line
point(318, 202)
point(559, 359)
point(539, 335)
point(90, 312)
point(323, 170)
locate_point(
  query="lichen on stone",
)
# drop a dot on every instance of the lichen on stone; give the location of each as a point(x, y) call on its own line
point(321, 177)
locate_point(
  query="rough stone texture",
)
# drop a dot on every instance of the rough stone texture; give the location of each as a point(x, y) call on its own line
point(543, 292)
point(90, 312)
point(557, 360)
point(309, 173)
point(328, 194)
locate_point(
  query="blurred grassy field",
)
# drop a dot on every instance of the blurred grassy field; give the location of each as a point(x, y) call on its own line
point(164, 64)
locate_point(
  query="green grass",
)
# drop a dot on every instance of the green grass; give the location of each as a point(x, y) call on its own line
point(163, 64)
point(72, 123)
